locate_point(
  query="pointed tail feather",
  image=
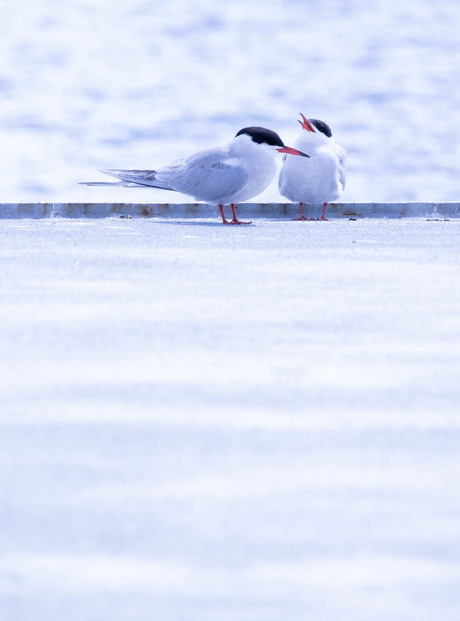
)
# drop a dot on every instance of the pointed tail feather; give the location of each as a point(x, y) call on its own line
point(119, 184)
point(138, 177)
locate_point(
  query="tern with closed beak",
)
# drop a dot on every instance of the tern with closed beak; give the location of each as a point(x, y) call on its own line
point(223, 175)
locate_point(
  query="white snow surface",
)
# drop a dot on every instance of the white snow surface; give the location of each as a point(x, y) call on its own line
point(207, 422)
point(88, 84)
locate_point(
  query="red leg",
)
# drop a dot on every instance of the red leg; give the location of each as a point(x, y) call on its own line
point(224, 220)
point(235, 219)
point(324, 211)
point(302, 217)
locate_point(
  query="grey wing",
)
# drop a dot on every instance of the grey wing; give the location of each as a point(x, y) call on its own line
point(280, 177)
point(208, 175)
point(138, 177)
point(341, 157)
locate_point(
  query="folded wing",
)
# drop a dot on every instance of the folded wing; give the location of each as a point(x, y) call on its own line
point(208, 175)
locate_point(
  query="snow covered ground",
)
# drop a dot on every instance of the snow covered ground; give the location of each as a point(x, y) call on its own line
point(206, 423)
point(210, 423)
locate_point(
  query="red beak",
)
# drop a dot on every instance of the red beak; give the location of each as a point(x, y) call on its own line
point(292, 151)
point(306, 124)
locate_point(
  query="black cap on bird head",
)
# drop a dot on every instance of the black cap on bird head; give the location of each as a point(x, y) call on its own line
point(262, 135)
point(310, 124)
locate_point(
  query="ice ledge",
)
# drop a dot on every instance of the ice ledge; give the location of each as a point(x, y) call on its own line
point(203, 210)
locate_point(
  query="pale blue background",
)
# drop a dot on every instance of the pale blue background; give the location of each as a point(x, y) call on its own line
point(88, 84)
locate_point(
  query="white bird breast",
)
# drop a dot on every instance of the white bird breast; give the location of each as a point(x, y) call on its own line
point(319, 179)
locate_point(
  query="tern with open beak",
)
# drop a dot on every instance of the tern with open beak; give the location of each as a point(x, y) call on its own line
point(321, 178)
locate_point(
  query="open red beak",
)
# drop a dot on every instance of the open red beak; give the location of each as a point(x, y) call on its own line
point(306, 124)
point(292, 151)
